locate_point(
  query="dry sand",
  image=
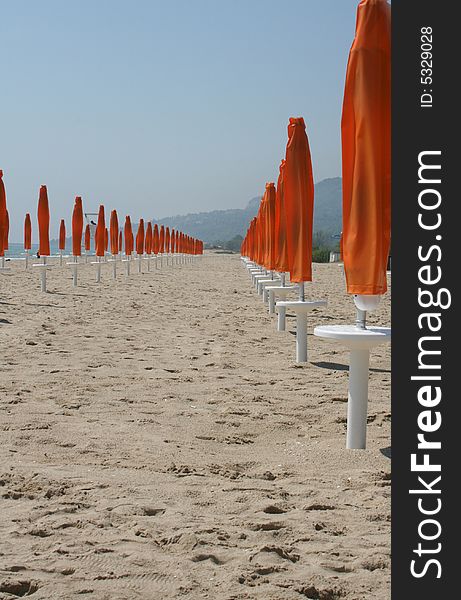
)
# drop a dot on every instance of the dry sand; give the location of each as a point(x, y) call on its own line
point(157, 440)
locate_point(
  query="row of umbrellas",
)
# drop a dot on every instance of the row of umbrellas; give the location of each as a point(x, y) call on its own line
point(149, 239)
point(279, 238)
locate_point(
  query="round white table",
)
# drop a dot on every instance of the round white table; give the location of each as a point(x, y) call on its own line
point(360, 342)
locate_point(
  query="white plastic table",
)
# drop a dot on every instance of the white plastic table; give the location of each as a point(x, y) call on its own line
point(262, 283)
point(360, 342)
point(283, 291)
point(301, 308)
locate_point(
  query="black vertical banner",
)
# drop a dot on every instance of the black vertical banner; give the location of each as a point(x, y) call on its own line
point(426, 328)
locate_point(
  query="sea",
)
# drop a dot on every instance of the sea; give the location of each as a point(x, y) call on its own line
point(16, 251)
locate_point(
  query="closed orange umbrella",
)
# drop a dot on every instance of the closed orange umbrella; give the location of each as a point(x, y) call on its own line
point(299, 201)
point(366, 151)
point(167, 240)
point(128, 236)
point(120, 242)
point(62, 235)
point(140, 238)
point(77, 227)
point(43, 222)
point(106, 239)
point(162, 240)
point(155, 240)
point(87, 238)
point(3, 213)
point(99, 236)
point(281, 252)
point(114, 237)
point(27, 233)
point(270, 226)
point(173, 241)
point(149, 238)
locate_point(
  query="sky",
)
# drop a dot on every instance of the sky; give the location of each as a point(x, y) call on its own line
point(160, 108)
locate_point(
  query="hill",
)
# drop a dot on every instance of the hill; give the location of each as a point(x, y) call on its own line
point(226, 224)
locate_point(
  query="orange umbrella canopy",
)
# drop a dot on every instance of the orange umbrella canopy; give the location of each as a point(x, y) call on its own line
point(114, 236)
point(43, 223)
point(120, 242)
point(3, 214)
point(128, 236)
point(149, 238)
point(269, 233)
point(155, 240)
point(167, 240)
point(173, 241)
point(366, 151)
point(106, 239)
point(77, 227)
point(99, 236)
point(281, 253)
point(140, 238)
point(162, 240)
point(62, 235)
point(299, 201)
point(27, 232)
point(87, 238)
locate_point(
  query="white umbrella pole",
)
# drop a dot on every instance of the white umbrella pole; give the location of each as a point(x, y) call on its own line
point(43, 275)
point(98, 270)
point(60, 258)
point(74, 282)
point(27, 259)
point(114, 266)
point(357, 399)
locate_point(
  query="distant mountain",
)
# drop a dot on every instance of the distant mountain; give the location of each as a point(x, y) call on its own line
point(223, 225)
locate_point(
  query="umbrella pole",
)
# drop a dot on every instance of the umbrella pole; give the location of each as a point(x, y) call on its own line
point(27, 259)
point(139, 263)
point(114, 267)
point(60, 258)
point(98, 270)
point(75, 271)
point(301, 329)
point(361, 319)
point(358, 399)
point(43, 275)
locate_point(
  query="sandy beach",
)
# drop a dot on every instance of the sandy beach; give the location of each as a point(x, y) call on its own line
point(158, 440)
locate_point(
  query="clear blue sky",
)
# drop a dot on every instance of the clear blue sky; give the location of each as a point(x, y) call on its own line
point(164, 107)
